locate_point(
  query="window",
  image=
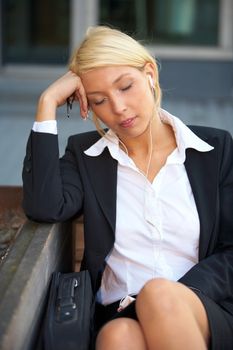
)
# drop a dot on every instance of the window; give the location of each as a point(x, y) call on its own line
point(35, 31)
point(180, 22)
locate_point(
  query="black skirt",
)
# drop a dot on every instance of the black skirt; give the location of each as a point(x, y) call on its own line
point(220, 321)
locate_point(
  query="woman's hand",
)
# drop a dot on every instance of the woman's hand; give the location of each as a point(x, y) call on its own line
point(69, 85)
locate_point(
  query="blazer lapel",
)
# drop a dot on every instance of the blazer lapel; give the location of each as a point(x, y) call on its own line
point(202, 172)
point(102, 172)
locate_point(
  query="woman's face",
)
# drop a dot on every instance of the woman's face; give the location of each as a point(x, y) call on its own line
point(121, 97)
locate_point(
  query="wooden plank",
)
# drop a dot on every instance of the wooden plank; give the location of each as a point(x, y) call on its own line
point(78, 242)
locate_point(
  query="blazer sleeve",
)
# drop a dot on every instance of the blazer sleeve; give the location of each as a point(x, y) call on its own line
point(213, 275)
point(52, 187)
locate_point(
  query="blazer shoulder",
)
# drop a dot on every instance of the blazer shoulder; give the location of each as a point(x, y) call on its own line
point(85, 139)
point(210, 133)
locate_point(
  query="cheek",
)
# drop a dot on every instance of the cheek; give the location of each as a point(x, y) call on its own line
point(144, 101)
point(97, 110)
point(143, 93)
point(103, 114)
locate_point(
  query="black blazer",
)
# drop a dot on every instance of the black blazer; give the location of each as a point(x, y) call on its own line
point(57, 190)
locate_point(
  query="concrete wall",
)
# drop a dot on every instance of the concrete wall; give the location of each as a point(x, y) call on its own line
point(199, 79)
point(25, 274)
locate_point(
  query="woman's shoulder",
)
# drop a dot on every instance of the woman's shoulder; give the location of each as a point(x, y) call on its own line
point(220, 139)
point(85, 139)
point(207, 132)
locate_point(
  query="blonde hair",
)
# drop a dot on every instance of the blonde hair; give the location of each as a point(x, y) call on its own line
point(104, 46)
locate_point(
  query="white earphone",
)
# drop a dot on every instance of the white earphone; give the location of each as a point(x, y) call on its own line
point(151, 81)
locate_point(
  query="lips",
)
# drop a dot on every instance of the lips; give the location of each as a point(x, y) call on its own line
point(127, 123)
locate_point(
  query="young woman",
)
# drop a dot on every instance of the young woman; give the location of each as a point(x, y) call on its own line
point(156, 195)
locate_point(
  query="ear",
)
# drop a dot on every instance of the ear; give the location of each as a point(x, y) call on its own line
point(149, 71)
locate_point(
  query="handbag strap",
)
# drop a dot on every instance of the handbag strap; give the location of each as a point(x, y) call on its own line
point(65, 297)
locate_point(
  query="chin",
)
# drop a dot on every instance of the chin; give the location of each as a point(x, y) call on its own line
point(135, 131)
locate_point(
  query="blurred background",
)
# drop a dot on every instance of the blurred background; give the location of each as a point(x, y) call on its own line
point(191, 39)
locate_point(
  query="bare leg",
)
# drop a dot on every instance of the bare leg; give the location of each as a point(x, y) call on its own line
point(172, 317)
point(121, 334)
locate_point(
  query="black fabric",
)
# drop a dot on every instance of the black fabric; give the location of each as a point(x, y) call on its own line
point(69, 312)
point(220, 321)
point(104, 314)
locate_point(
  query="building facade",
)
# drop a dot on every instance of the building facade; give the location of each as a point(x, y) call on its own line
point(186, 36)
point(192, 41)
point(45, 32)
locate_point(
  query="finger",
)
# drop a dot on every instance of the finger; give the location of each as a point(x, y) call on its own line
point(83, 109)
point(81, 96)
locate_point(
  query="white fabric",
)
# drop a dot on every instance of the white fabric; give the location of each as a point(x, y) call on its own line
point(157, 224)
point(47, 126)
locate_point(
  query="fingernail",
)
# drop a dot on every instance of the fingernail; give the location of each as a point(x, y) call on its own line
point(86, 115)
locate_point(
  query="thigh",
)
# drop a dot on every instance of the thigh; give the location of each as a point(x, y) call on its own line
point(198, 309)
point(104, 314)
point(121, 333)
point(215, 323)
point(163, 295)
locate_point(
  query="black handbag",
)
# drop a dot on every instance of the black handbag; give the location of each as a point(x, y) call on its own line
point(68, 315)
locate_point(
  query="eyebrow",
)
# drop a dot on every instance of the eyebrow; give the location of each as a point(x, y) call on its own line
point(114, 82)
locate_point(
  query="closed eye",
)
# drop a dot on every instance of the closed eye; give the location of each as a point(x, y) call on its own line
point(127, 87)
point(100, 102)
point(97, 103)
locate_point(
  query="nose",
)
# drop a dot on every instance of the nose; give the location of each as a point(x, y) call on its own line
point(118, 105)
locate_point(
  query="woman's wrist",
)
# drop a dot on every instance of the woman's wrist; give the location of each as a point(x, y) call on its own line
point(46, 108)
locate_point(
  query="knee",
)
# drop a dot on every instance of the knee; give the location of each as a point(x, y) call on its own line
point(112, 333)
point(159, 295)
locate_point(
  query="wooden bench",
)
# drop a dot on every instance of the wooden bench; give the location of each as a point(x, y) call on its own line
point(78, 242)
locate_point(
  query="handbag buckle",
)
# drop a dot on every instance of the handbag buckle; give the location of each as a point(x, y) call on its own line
point(66, 306)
